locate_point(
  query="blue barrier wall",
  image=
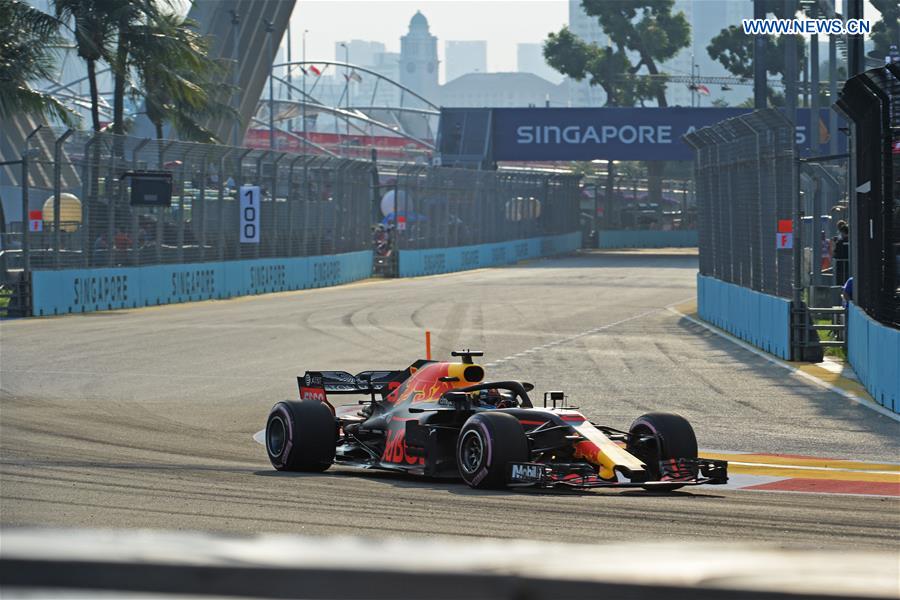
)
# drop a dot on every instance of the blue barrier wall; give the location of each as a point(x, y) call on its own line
point(646, 239)
point(761, 319)
point(874, 352)
point(414, 263)
point(88, 290)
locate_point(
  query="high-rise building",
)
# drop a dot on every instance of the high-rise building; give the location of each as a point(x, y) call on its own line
point(419, 59)
point(530, 59)
point(361, 52)
point(581, 93)
point(462, 57)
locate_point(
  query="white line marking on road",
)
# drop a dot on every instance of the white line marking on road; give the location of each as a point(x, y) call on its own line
point(777, 361)
point(260, 437)
point(811, 468)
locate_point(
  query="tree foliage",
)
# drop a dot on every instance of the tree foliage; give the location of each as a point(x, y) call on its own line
point(645, 29)
point(733, 49)
point(27, 39)
point(886, 31)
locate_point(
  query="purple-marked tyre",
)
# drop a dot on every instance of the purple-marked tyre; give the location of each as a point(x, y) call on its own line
point(300, 436)
point(487, 443)
point(659, 436)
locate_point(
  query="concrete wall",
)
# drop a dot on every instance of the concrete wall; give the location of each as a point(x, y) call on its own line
point(89, 290)
point(413, 263)
point(646, 239)
point(874, 353)
point(760, 319)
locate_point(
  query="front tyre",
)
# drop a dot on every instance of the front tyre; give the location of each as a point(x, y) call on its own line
point(661, 436)
point(487, 443)
point(301, 436)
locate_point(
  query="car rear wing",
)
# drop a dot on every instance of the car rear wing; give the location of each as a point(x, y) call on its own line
point(342, 382)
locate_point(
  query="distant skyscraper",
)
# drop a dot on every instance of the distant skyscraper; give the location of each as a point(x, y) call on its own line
point(530, 59)
point(418, 59)
point(587, 28)
point(461, 58)
point(362, 52)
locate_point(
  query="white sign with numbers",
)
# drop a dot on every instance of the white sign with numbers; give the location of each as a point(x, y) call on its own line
point(249, 214)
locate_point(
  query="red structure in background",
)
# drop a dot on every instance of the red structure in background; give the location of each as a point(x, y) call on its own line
point(352, 146)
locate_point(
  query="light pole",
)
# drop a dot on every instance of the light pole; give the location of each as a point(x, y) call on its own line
point(235, 43)
point(289, 69)
point(303, 99)
point(270, 31)
point(347, 77)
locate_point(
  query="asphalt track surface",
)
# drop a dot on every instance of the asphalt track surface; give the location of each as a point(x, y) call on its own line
point(144, 418)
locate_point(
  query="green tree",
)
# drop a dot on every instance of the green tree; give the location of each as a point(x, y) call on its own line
point(734, 51)
point(886, 31)
point(27, 41)
point(94, 30)
point(645, 29)
point(179, 81)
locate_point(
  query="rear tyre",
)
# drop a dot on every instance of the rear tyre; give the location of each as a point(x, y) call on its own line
point(301, 436)
point(487, 443)
point(670, 436)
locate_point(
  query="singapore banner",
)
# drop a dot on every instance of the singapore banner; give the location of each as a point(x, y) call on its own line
point(545, 134)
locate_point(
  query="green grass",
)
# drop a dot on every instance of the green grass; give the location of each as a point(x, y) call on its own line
point(835, 351)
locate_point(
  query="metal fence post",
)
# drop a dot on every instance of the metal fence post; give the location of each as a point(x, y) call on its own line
point(57, 183)
point(272, 249)
point(26, 242)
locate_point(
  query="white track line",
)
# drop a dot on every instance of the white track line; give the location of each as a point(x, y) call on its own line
point(777, 361)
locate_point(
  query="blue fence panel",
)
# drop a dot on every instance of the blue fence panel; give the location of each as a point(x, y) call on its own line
point(759, 319)
point(415, 263)
point(88, 290)
point(874, 352)
point(649, 238)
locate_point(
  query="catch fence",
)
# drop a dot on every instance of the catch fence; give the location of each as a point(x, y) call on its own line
point(77, 210)
point(871, 101)
point(747, 181)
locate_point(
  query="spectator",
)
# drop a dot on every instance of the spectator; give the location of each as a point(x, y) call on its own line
point(847, 292)
point(840, 252)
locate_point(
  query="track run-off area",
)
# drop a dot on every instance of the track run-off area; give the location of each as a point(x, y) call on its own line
point(145, 418)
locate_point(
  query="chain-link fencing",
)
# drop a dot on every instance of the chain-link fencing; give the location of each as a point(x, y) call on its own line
point(78, 209)
point(871, 101)
point(308, 205)
point(746, 178)
point(437, 207)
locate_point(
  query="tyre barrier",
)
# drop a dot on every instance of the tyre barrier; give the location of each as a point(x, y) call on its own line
point(873, 350)
point(415, 263)
point(56, 563)
point(757, 318)
point(88, 290)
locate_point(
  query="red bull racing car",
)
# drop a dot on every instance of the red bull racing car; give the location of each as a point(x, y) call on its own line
point(441, 419)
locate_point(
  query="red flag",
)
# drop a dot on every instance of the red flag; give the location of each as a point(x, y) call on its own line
point(315, 69)
point(702, 89)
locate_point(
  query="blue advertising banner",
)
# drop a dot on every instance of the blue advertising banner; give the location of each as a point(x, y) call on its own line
point(538, 134)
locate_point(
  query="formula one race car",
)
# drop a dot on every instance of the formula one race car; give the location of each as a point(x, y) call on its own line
point(441, 419)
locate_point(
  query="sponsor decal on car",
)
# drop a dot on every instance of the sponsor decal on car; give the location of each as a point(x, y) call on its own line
point(525, 472)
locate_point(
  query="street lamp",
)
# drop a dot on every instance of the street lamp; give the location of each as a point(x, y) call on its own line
point(303, 99)
point(270, 31)
point(347, 77)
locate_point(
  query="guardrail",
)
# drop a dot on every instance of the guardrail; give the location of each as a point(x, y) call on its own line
point(413, 263)
point(761, 319)
point(646, 238)
point(874, 352)
point(89, 290)
point(273, 566)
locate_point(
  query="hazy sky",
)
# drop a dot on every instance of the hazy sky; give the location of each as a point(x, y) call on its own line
point(503, 23)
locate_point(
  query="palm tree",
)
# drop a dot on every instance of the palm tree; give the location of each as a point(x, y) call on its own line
point(27, 40)
point(94, 28)
point(179, 81)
